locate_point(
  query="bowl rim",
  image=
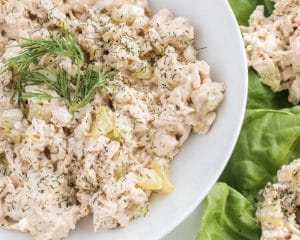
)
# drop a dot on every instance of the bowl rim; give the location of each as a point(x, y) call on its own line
point(234, 140)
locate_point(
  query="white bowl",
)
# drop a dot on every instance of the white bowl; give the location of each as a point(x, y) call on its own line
point(203, 158)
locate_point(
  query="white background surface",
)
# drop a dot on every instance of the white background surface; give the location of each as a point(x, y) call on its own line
point(188, 229)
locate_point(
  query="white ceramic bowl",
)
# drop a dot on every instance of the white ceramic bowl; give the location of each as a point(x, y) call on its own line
point(203, 158)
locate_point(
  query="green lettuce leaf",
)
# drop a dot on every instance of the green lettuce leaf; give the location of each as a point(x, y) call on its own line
point(243, 8)
point(228, 215)
point(268, 140)
point(269, 6)
point(262, 97)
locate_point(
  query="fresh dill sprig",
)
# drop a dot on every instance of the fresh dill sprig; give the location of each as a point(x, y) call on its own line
point(91, 81)
point(61, 83)
point(58, 82)
point(59, 44)
point(75, 92)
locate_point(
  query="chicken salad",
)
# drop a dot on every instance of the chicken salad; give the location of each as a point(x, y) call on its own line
point(272, 45)
point(97, 97)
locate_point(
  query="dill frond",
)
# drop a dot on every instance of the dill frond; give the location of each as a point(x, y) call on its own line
point(91, 81)
point(74, 92)
point(61, 83)
point(59, 44)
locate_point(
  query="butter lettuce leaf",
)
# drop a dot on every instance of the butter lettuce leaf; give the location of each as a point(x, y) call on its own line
point(228, 215)
point(243, 8)
point(268, 140)
point(262, 97)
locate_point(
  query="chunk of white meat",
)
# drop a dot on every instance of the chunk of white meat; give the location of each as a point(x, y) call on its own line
point(168, 72)
point(60, 115)
point(139, 111)
point(13, 114)
point(41, 137)
point(83, 129)
point(6, 187)
point(153, 36)
point(175, 31)
point(12, 50)
point(294, 54)
point(112, 4)
point(288, 174)
point(284, 6)
point(5, 99)
point(52, 10)
point(121, 55)
point(5, 79)
point(294, 91)
point(208, 97)
point(164, 145)
point(109, 214)
point(80, 6)
point(190, 54)
point(141, 23)
point(127, 14)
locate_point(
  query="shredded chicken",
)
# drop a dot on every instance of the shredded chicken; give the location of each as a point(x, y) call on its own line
point(108, 157)
point(273, 46)
point(278, 205)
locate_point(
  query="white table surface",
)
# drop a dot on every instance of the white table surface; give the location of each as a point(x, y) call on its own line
point(188, 229)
